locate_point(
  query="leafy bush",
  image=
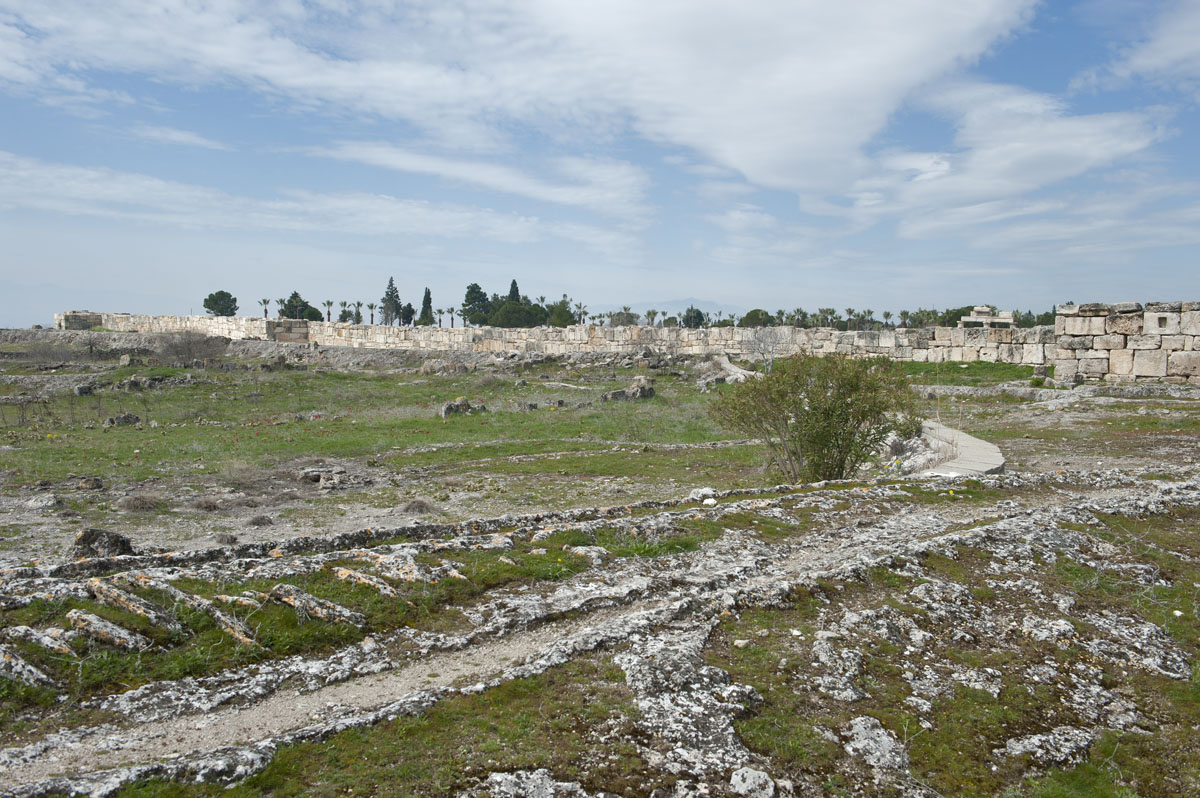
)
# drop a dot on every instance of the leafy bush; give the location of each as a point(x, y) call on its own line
point(185, 347)
point(822, 417)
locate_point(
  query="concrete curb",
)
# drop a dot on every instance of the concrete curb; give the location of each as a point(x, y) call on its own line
point(972, 457)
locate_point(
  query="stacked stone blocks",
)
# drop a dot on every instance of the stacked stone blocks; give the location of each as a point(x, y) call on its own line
point(1127, 341)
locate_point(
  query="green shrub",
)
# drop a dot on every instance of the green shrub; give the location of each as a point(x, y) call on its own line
point(822, 417)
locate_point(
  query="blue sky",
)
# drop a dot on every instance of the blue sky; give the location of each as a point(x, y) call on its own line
point(879, 154)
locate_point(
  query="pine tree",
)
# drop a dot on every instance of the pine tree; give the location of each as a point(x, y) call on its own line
point(426, 317)
point(390, 304)
point(514, 293)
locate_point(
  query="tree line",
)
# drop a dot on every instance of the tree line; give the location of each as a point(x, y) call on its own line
point(515, 309)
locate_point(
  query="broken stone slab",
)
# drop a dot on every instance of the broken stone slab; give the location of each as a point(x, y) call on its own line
point(597, 554)
point(50, 642)
point(18, 670)
point(44, 501)
point(315, 607)
point(104, 631)
point(867, 740)
point(1062, 745)
point(227, 623)
point(113, 596)
point(752, 783)
point(373, 582)
point(96, 543)
point(122, 420)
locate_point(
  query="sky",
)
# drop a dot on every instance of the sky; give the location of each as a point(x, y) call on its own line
point(880, 154)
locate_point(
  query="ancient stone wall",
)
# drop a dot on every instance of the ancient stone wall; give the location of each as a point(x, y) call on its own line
point(1127, 341)
point(933, 345)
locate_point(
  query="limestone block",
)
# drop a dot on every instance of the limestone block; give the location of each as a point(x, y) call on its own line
point(920, 355)
point(1183, 364)
point(1065, 370)
point(1189, 322)
point(1161, 323)
point(970, 354)
point(1175, 343)
point(941, 334)
point(1108, 342)
point(1143, 342)
point(958, 336)
point(1091, 354)
point(1127, 307)
point(1043, 334)
point(1075, 342)
point(1066, 310)
point(1150, 363)
point(1060, 325)
point(975, 336)
point(1083, 325)
point(938, 355)
point(954, 354)
point(1001, 335)
point(989, 354)
point(1095, 309)
point(1034, 354)
point(1092, 367)
point(1120, 361)
point(1164, 307)
point(1124, 323)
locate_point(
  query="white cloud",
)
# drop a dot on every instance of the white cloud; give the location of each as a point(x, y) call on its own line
point(783, 92)
point(609, 187)
point(60, 188)
point(1171, 50)
point(171, 135)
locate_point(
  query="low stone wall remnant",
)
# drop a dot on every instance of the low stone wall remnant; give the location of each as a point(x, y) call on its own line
point(1114, 342)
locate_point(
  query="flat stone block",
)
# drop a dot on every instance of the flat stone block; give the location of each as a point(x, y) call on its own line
point(1124, 323)
point(974, 336)
point(1143, 342)
point(954, 354)
point(1120, 362)
point(1164, 307)
point(920, 355)
point(1084, 325)
point(1034, 354)
point(1076, 342)
point(1060, 325)
point(1189, 322)
point(1066, 310)
point(1092, 367)
point(1150, 363)
point(1183, 364)
point(1065, 370)
point(1108, 342)
point(958, 336)
point(1187, 306)
point(1161, 323)
point(1175, 343)
point(1095, 309)
point(1126, 307)
point(1091, 354)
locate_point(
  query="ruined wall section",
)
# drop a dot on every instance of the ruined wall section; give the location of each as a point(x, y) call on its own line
point(932, 345)
point(1126, 342)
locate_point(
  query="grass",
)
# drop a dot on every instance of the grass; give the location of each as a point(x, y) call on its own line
point(978, 373)
point(547, 721)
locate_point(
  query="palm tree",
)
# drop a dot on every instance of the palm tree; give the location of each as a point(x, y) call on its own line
point(358, 312)
point(344, 306)
point(266, 303)
point(904, 314)
point(542, 301)
point(281, 303)
point(581, 312)
point(651, 315)
point(850, 314)
point(371, 307)
point(438, 312)
point(887, 319)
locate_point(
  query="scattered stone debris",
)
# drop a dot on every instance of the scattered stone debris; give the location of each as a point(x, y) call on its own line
point(460, 405)
point(122, 420)
point(641, 388)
